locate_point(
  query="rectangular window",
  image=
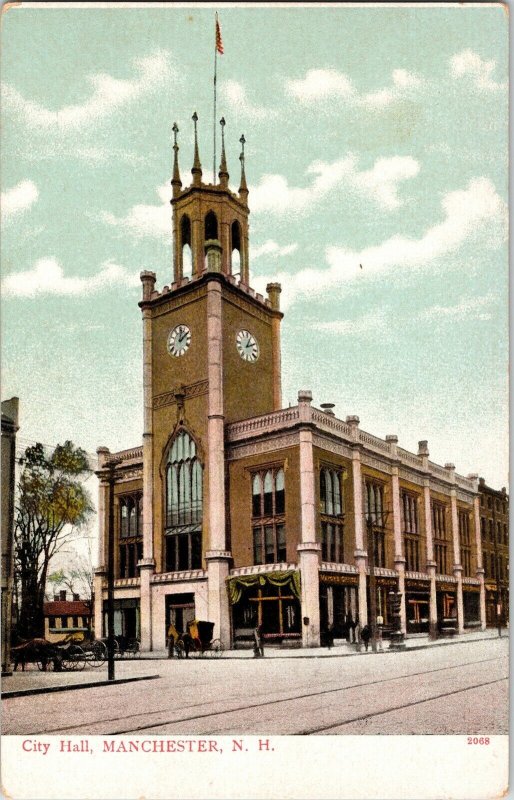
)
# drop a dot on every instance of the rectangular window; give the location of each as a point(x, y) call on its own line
point(130, 533)
point(374, 502)
point(332, 515)
point(409, 507)
point(52, 622)
point(268, 512)
point(64, 622)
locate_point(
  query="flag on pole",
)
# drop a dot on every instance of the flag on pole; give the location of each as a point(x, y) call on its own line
point(219, 40)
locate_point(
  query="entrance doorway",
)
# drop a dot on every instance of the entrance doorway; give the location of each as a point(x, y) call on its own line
point(180, 609)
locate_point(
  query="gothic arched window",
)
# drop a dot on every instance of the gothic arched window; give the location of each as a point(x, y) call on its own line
point(184, 505)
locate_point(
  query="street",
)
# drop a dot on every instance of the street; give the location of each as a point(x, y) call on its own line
point(457, 689)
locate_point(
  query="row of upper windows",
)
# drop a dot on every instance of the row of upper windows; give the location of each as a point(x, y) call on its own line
point(500, 505)
point(488, 531)
point(66, 622)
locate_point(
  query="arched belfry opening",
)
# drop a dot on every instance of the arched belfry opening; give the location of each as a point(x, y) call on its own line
point(211, 226)
point(235, 248)
point(185, 244)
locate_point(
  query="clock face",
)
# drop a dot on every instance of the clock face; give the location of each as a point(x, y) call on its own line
point(179, 340)
point(247, 346)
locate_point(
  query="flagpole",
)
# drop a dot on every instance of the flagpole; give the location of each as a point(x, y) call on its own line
point(214, 115)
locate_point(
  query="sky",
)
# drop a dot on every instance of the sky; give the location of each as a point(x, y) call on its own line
point(376, 157)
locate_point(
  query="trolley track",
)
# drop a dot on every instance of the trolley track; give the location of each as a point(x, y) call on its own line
point(149, 725)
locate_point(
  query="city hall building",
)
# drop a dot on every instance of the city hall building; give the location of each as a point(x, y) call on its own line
point(239, 511)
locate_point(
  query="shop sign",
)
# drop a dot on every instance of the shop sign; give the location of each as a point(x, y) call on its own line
point(338, 580)
point(392, 582)
point(421, 585)
point(446, 587)
point(471, 589)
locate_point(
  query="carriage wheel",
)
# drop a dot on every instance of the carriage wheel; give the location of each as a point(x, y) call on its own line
point(98, 654)
point(216, 648)
point(133, 648)
point(75, 660)
point(179, 647)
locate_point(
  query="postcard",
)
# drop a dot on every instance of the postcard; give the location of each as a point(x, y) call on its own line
point(255, 506)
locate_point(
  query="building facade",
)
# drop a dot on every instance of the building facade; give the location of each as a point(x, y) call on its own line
point(9, 429)
point(494, 522)
point(65, 619)
point(239, 511)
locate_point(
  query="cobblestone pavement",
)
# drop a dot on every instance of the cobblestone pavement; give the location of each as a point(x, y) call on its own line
point(460, 689)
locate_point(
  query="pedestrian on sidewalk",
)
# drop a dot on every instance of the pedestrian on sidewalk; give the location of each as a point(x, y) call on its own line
point(172, 637)
point(258, 648)
point(350, 627)
point(366, 636)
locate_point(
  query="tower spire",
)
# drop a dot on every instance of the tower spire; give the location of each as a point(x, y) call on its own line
point(175, 181)
point(243, 188)
point(197, 167)
point(223, 173)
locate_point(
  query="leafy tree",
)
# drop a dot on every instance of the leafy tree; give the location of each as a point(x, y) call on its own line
point(52, 506)
point(77, 576)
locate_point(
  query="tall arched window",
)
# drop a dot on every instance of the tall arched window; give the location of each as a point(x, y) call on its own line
point(185, 243)
point(268, 512)
point(235, 249)
point(130, 544)
point(184, 504)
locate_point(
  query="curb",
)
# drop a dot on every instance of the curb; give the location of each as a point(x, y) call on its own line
point(88, 685)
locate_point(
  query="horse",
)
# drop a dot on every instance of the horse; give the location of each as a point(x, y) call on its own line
point(36, 650)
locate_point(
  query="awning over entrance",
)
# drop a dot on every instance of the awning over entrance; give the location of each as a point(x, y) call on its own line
point(289, 578)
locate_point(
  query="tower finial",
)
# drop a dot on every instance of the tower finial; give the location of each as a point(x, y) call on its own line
point(223, 173)
point(197, 167)
point(243, 188)
point(175, 181)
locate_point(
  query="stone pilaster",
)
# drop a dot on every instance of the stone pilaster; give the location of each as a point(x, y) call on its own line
point(431, 564)
point(273, 290)
point(457, 566)
point(399, 558)
point(480, 566)
point(98, 583)
point(217, 556)
point(197, 252)
point(360, 553)
point(147, 564)
point(309, 549)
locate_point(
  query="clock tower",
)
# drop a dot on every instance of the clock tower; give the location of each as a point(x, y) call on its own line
point(211, 357)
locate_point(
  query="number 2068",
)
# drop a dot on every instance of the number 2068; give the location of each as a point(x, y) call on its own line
point(478, 740)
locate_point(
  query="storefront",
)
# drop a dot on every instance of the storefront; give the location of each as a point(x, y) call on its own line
point(417, 605)
point(271, 600)
point(446, 607)
point(127, 618)
point(338, 603)
point(384, 585)
point(471, 603)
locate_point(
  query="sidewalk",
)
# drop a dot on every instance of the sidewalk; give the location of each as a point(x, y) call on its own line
point(145, 667)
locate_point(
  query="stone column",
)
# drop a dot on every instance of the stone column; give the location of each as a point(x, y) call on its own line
point(480, 566)
point(197, 253)
point(309, 549)
point(399, 558)
point(217, 556)
point(360, 553)
point(273, 290)
point(431, 564)
point(147, 563)
point(457, 566)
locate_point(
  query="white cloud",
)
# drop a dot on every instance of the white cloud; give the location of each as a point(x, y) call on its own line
point(20, 198)
point(471, 307)
point(145, 220)
point(367, 324)
point(234, 95)
point(475, 210)
point(329, 84)
point(379, 184)
point(47, 277)
point(470, 64)
point(271, 248)
point(108, 94)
